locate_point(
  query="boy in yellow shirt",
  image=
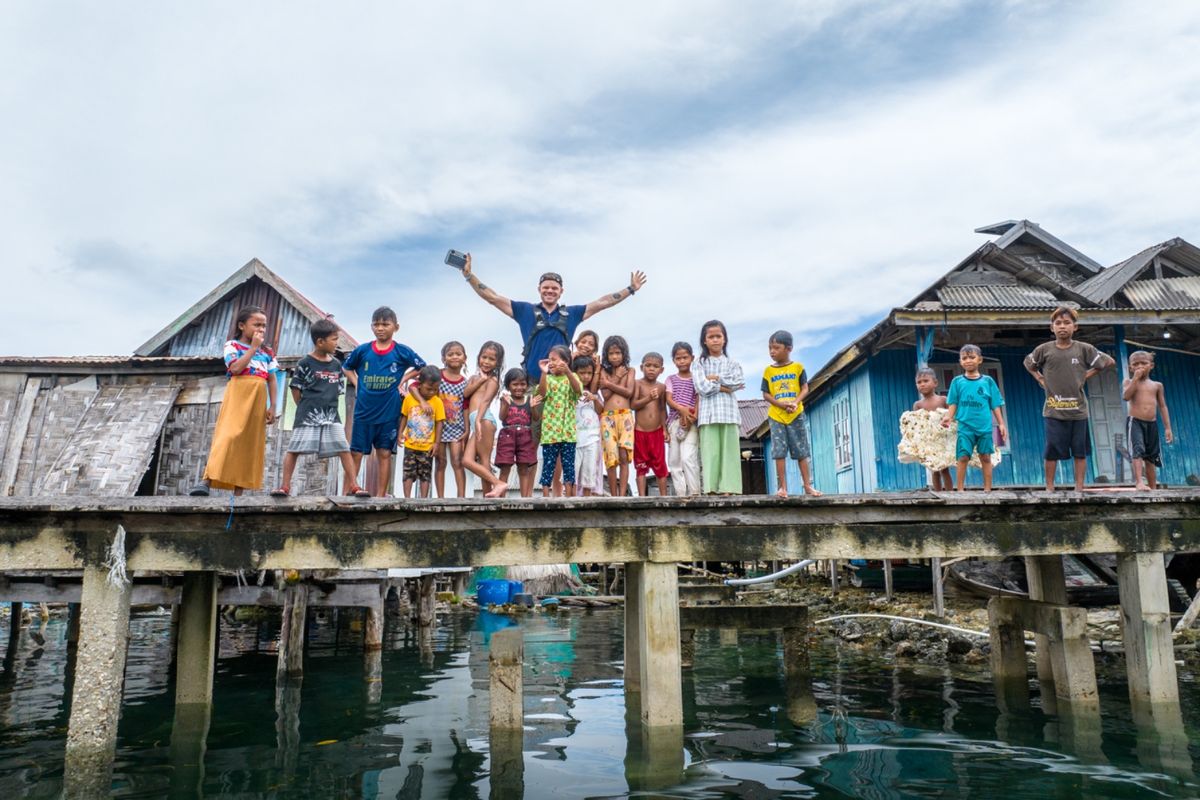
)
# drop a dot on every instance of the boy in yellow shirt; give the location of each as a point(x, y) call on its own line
point(784, 386)
point(421, 430)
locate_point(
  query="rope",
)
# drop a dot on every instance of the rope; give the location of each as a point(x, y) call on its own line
point(229, 522)
point(115, 561)
point(905, 619)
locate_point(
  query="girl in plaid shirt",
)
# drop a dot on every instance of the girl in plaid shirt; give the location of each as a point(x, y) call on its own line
point(717, 378)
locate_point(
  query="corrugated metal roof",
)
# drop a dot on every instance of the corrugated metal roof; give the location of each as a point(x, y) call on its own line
point(1102, 287)
point(1164, 294)
point(754, 414)
point(992, 296)
point(106, 361)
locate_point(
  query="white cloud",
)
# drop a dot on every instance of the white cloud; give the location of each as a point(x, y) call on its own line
point(158, 152)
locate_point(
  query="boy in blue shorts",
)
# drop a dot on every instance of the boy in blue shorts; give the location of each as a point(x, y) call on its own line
point(379, 370)
point(784, 387)
point(974, 402)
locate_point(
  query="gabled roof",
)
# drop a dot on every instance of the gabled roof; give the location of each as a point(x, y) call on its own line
point(1180, 254)
point(252, 269)
point(1000, 280)
point(1012, 231)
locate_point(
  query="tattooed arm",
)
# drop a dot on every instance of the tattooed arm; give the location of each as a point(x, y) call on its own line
point(488, 293)
point(637, 280)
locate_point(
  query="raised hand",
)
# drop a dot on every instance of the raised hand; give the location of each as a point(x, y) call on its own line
point(637, 279)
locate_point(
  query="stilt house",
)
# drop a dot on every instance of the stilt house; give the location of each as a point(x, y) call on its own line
point(1000, 297)
point(142, 424)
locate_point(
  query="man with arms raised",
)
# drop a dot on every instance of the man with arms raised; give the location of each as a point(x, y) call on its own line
point(548, 323)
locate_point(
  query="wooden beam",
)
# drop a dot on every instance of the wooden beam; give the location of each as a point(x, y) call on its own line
point(948, 318)
point(17, 430)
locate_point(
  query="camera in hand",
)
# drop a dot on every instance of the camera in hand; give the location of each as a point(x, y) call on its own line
point(456, 259)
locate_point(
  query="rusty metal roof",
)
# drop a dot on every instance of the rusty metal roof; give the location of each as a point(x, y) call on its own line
point(108, 361)
point(1164, 294)
point(754, 414)
point(993, 297)
point(1101, 288)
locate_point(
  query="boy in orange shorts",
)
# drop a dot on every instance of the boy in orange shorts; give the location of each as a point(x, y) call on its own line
point(616, 426)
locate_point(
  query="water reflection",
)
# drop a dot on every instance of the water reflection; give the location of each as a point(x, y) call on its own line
point(413, 722)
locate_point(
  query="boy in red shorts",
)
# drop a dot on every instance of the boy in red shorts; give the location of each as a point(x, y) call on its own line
point(649, 434)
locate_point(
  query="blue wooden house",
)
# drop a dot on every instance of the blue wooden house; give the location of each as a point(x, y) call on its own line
point(1000, 297)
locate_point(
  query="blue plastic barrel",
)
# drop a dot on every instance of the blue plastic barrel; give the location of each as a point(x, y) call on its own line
point(493, 592)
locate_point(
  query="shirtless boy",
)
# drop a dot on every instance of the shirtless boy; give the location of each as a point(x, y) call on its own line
point(1146, 400)
point(649, 433)
point(927, 385)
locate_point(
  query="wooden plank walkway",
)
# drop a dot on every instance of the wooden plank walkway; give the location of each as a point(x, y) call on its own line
point(183, 533)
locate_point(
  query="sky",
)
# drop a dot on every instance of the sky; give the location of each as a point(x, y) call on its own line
point(805, 166)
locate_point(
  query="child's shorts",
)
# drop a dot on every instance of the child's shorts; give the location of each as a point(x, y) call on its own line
point(514, 445)
point(378, 435)
point(1067, 438)
point(324, 440)
point(616, 433)
point(972, 441)
point(1142, 436)
point(650, 453)
point(790, 439)
point(418, 465)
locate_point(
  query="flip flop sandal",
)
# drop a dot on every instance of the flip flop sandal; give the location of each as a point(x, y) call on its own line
point(280, 492)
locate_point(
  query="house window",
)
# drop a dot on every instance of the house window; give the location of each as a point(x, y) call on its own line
point(946, 373)
point(842, 450)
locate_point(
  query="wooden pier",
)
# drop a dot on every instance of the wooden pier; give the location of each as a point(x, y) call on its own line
point(649, 535)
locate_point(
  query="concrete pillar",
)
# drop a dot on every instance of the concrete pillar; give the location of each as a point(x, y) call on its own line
point(653, 756)
point(506, 658)
point(1146, 630)
point(373, 647)
point(99, 680)
point(662, 692)
point(727, 637)
point(1072, 663)
point(290, 666)
point(1047, 583)
point(507, 764)
point(459, 584)
point(887, 578)
point(633, 626)
point(197, 639)
point(189, 737)
point(801, 704)
point(1010, 670)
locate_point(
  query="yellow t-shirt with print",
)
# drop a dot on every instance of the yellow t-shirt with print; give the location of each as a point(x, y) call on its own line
point(784, 384)
point(419, 424)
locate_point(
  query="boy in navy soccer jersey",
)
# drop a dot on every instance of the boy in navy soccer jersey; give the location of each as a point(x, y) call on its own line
point(379, 370)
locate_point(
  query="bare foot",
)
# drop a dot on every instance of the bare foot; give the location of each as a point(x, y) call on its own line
point(499, 490)
point(1140, 487)
point(811, 491)
point(781, 493)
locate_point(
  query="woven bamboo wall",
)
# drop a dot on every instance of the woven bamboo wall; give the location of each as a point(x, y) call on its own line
point(108, 451)
point(56, 413)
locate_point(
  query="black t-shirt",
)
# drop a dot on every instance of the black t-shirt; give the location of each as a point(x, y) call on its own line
point(320, 384)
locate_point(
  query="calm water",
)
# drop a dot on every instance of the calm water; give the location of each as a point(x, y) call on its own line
point(882, 731)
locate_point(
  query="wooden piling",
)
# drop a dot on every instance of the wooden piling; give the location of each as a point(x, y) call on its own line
point(1047, 583)
point(687, 647)
point(99, 680)
point(1072, 667)
point(801, 704)
point(506, 657)
point(427, 605)
point(290, 666)
point(197, 639)
point(1146, 630)
point(662, 693)
point(633, 626)
point(1010, 669)
point(189, 740)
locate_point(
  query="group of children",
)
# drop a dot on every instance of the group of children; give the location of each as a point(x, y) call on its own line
point(1062, 367)
point(591, 414)
point(594, 416)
